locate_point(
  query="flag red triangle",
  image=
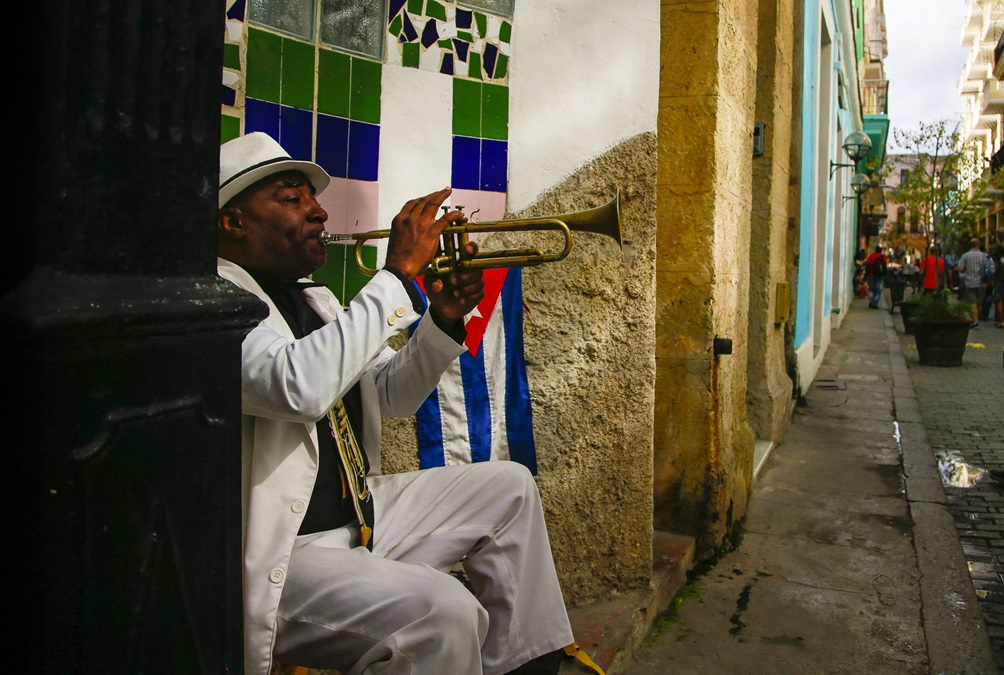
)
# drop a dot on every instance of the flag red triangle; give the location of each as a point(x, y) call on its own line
point(477, 321)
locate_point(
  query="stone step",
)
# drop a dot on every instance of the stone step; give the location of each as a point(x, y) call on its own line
point(611, 630)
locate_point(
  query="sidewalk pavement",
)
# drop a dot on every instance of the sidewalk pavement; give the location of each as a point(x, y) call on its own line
point(856, 557)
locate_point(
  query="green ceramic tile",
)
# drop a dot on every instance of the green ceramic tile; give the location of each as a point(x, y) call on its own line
point(482, 22)
point(474, 66)
point(333, 80)
point(232, 56)
point(466, 108)
point(505, 31)
point(264, 59)
point(364, 103)
point(446, 43)
point(340, 273)
point(465, 36)
point(354, 279)
point(297, 74)
point(409, 54)
point(395, 26)
point(501, 66)
point(415, 6)
point(230, 128)
point(436, 10)
point(495, 112)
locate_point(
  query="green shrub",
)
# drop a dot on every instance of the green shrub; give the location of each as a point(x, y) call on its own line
point(939, 306)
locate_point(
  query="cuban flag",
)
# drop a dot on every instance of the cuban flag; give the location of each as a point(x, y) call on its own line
point(481, 409)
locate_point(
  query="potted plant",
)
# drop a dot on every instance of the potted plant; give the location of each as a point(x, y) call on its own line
point(940, 327)
point(906, 308)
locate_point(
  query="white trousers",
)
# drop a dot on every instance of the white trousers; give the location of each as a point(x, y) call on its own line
point(397, 610)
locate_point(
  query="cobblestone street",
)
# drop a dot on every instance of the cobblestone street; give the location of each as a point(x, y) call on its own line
point(963, 413)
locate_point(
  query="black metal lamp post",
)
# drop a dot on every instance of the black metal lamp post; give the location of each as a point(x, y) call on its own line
point(121, 349)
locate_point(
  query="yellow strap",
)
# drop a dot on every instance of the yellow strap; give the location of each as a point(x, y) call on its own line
point(575, 651)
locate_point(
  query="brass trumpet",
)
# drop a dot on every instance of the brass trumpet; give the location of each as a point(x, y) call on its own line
point(604, 220)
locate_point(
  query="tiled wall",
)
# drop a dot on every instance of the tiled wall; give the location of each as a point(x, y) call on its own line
point(325, 105)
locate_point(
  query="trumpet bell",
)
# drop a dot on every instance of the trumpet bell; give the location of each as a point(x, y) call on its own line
point(605, 220)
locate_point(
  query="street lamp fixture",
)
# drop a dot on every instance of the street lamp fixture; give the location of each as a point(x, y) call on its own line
point(861, 184)
point(857, 146)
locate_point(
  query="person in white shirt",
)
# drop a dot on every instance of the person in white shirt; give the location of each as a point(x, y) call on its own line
point(344, 568)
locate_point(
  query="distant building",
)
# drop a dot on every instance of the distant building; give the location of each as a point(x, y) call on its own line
point(981, 85)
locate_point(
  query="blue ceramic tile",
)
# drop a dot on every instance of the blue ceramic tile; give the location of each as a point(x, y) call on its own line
point(494, 164)
point(261, 116)
point(490, 54)
point(447, 67)
point(296, 132)
point(236, 12)
point(228, 96)
point(364, 150)
point(461, 47)
point(333, 145)
point(466, 163)
point(408, 32)
point(464, 18)
point(430, 34)
point(395, 7)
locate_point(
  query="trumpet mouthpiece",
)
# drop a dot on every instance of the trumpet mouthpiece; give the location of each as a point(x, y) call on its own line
point(330, 237)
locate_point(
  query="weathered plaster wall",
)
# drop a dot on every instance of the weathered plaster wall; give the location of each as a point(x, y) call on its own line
point(589, 330)
point(770, 388)
point(583, 78)
point(703, 442)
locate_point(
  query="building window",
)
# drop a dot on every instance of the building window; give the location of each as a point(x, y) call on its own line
point(293, 17)
point(354, 26)
point(904, 177)
point(496, 7)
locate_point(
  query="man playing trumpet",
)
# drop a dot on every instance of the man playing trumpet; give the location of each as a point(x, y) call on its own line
point(345, 568)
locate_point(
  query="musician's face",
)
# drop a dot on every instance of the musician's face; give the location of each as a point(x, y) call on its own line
point(281, 220)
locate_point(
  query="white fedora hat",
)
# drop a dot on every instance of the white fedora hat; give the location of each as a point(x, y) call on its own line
point(249, 158)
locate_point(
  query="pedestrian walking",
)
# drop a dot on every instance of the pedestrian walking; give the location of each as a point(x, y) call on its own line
point(932, 270)
point(876, 266)
point(978, 269)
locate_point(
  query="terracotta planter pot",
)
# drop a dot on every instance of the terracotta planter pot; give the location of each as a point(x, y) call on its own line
point(941, 343)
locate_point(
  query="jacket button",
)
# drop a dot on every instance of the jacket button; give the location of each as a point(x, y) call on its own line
point(299, 506)
point(276, 576)
point(400, 311)
point(391, 320)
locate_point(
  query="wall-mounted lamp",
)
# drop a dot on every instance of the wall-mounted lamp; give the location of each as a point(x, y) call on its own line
point(857, 146)
point(861, 184)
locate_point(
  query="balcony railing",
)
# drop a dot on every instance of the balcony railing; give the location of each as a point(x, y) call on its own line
point(875, 97)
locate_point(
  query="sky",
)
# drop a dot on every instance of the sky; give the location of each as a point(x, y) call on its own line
point(924, 62)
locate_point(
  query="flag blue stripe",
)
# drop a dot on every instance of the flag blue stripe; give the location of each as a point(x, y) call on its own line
point(518, 410)
point(479, 415)
point(429, 421)
point(430, 433)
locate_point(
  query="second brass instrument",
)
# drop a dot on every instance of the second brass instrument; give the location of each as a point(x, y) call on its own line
point(603, 220)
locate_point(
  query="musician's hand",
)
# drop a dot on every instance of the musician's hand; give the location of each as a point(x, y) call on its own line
point(414, 233)
point(452, 296)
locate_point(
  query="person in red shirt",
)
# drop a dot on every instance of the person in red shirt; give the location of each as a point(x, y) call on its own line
point(876, 277)
point(932, 270)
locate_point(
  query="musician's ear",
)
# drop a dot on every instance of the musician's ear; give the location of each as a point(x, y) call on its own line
point(230, 223)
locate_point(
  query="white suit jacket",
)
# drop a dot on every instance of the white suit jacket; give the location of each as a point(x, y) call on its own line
point(286, 386)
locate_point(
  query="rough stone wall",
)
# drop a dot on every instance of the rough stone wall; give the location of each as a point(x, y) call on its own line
point(589, 330)
point(770, 387)
point(703, 443)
